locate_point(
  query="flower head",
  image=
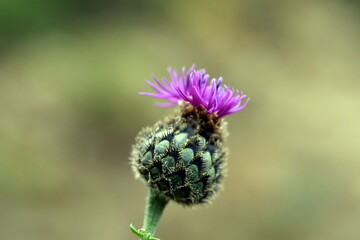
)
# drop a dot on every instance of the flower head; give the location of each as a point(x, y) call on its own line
point(182, 156)
point(196, 88)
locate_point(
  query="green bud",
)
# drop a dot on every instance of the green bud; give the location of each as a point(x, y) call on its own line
point(182, 157)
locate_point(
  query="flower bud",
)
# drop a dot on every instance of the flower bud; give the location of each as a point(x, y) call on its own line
point(182, 156)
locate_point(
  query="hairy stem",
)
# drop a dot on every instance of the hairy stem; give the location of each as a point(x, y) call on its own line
point(155, 204)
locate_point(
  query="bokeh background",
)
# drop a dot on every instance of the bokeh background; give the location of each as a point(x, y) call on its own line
point(70, 71)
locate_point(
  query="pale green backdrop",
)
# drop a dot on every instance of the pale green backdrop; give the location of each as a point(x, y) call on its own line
point(69, 76)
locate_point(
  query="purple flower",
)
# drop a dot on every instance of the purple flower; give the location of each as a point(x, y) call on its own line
point(196, 88)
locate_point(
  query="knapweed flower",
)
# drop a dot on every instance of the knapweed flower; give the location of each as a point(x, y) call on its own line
point(182, 157)
point(196, 88)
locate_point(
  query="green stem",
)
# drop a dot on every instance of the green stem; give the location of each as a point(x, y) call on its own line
point(155, 204)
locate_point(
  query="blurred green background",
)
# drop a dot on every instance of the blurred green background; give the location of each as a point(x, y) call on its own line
point(70, 71)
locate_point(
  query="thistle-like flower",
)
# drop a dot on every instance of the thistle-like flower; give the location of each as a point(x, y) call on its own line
point(181, 158)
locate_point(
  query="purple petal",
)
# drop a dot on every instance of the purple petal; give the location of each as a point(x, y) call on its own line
point(196, 88)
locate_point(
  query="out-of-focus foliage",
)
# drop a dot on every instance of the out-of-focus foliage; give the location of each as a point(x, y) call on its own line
point(69, 76)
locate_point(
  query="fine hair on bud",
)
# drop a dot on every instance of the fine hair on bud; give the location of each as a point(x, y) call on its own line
point(182, 157)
